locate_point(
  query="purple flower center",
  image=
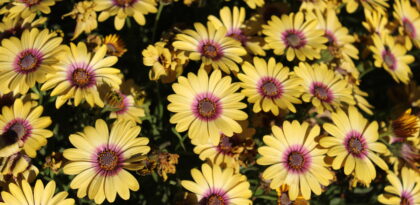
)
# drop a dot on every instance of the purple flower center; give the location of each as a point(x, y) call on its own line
point(210, 49)
point(214, 197)
point(15, 130)
point(409, 28)
point(206, 106)
point(331, 38)
point(406, 198)
point(389, 59)
point(270, 87)
point(293, 38)
point(108, 160)
point(355, 144)
point(124, 3)
point(81, 75)
point(297, 159)
point(321, 91)
point(30, 3)
point(225, 146)
point(28, 61)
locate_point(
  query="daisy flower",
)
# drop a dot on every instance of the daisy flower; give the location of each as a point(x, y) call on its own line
point(409, 19)
point(29, 8)
point(15, 26)
point(101, 159)
point(324, 88)
point(79, 73)
point(337, 35)
point(22, 127)
point(122, 9)
point(25, 194)
point(294, 159)
point(296, 37)
point(371, 5)
point(376, 22)
point(233, 22)
point(115, 45)
point(211, 46)
point(206, 106)
point(354, 145)
point(123, 106)
point(392, 57)
point(228, 152)
point(214, 185)
point(402, 191)
point(27, 60)
point(270, 86)
point(85, 16)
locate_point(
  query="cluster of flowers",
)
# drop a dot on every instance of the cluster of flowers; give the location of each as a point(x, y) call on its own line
point(240, 58)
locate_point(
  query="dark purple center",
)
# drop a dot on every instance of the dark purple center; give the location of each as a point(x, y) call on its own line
point(356, 144)
point(81, 77)
point(211, 50)
point(28, 61)
point(296, 160)
point(321, 91)
point(389, 59)
point(124, 3)
point(17, 129)
point(213, 199)
point(409, 28)
point(293, 39)
point(108, 160)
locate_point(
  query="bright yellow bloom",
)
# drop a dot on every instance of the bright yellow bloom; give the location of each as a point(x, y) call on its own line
point(122, 9)
point(371, 5)
point(211, 46)
point(114, 45)
point(408, 18)
point(403, 190)
point(101, 159)
point(354, 145)
point(85, 16)
point(123, 106)
point(294, 36)
point(206, 106)
point(22, 127)
point(233, 22)
point(14, 26)
point(270, 86)
point(29, 8)
point(38, 195)
point(324, 88)
point(166, 65)
point(214, 185)
point(376, 22)
point(294, 159)
point(79, 73)
point(392, 57)
point(27, 60)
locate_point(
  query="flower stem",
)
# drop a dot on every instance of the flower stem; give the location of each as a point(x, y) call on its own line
point(161, 5)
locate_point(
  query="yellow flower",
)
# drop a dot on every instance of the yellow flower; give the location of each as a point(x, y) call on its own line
point(16, 164)
point(408, 18)
point(22, 127)
point(211, 46)
point(206, 106)
point(324, 88)
point(283, 197)
point(375, 22)
point(115, 45)
point(337, 35)
point(294, 159)
point(233, 22)
point(38, 195)
point(406, 126)
point(122, 9)
point(79, 73)
point(123, 106)
point(29, 8)
point(270, 86)
point(371, 5)
point(15, 26)
point(354, 145)
point(403, 190)
point(85, 16)
point(101, 159)
point(166, 65)
point(214, 185)
point(311, 5)
point(392, 57)
point(361, 102)
point(27, 60)
point(228, 153)
point(294, 36)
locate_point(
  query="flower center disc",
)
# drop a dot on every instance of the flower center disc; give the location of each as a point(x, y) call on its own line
point(30, 3)
point(28, 61)
point(270, 89)
point(81, 77)
point(294, 39)
point(211, 50)
point(206, 108)
point(356, 145)
point(16, 130)
point(124, 3)
point(213, 199)
point(108, 160)
point(389, 59)
point(296, 160)
point(322, 92)
point(409, 28)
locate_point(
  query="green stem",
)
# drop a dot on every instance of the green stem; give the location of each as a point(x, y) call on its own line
point(161, 5)
point(366, 72)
